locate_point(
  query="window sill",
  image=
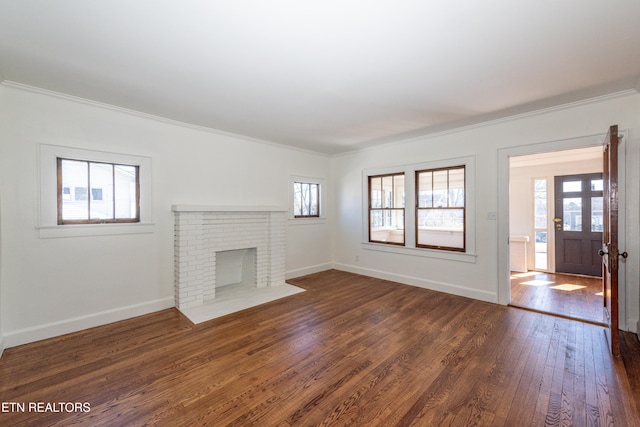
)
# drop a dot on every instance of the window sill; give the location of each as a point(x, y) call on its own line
point(426, 253)
point(307, 221)
point(82, 230)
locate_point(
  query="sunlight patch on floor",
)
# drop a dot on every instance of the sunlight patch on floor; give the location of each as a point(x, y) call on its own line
point(537, 283)
point(567, 287)
point(527, 274)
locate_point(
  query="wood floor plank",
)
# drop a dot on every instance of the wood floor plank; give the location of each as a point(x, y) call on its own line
point(352, 350)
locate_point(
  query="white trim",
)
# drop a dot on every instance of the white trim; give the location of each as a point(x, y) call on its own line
point(54, 329)
point(421, 283)
point(504, 291)
point(212, 208)
point(410, 247)
point(48, 202)
point(459, 127)
point(308, 270)
point(153, 117)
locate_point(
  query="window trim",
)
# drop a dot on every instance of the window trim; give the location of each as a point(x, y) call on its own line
point(48, 226)
point(410, 248)
point(322, 201)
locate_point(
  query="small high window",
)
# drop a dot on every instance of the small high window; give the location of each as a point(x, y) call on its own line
point(114, 195)
point(306, 200)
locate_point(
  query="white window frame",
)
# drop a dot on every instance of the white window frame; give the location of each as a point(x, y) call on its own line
point(48, 211)
point(410, 247)
point(321, 203)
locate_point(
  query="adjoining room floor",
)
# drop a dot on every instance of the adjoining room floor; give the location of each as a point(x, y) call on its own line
point(577, 297)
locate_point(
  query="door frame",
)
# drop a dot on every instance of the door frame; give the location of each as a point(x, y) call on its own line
point(504, 273)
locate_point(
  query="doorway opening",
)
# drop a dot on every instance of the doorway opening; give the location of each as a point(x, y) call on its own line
point(555, 226)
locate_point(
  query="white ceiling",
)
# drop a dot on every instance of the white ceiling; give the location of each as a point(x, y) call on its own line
point(324, 75)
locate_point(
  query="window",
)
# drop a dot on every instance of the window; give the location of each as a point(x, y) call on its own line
point(115, 190)
point(306, 200)
point(90, 210)
point(386, 209)
point(443, 224)
point(440, 208)
point(541, 230)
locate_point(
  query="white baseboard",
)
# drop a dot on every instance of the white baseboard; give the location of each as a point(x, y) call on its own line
point(422, 283)
point(54, 329)
point(308, 270)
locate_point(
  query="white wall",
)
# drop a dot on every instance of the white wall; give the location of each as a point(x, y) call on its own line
point(57, 285)
point(521, 198)
point(480, 279)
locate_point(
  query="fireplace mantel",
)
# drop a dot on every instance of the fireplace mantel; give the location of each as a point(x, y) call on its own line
point(201, 231)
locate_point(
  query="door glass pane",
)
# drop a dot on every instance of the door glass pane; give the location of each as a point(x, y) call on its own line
point(572, 214)
point(596, 214)
point(541, 250)
point(571, 186)
point(596, 185)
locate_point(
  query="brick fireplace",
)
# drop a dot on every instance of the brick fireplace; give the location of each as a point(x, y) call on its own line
point(203, 231)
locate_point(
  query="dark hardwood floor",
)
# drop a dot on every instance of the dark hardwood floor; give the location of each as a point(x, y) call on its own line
point(352, 350)
point(577, 297)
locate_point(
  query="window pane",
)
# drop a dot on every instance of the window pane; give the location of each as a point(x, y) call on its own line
point(441, 227)
point(425, 195)
point(440, 189)
point(541, 250)
point(596, 214)
point(596, 185)
point(375, 184)
point(540, 203)
point(313, 199)
point(570, 186)
point(125, 191)
point(75, 177)
point(387, 225)
point(297, 199)
point(101, 177)
point(456, 187)
point(398, 191)
point(572, 213)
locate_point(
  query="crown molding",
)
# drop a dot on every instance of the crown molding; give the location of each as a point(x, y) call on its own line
point(153, 117)
point(496, 121)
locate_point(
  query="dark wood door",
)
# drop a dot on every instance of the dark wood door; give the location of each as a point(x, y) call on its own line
point(610, 252)
point(578, 223)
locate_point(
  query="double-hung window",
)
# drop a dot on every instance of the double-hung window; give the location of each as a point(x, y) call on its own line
point(440, 208)
point(443, 221)
point(386, 209)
